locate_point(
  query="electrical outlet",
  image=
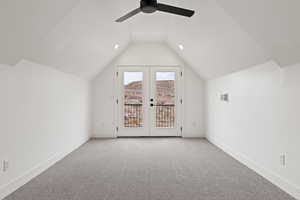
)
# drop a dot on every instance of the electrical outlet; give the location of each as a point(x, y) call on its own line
point(5, 165)
point(282, 160)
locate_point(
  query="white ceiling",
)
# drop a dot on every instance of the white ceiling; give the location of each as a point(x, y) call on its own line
point(78, 36)
point(22, 23)
point(275, 24)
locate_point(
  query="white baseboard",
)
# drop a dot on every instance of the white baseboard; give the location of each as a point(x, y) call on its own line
point(195, 133)
point(103, 137)
point(108, 136)
point(285, 185)
point(29, 175)
point(104, 134)
point(193, 137)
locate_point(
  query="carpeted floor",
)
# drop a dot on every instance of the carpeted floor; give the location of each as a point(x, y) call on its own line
point(149, 169)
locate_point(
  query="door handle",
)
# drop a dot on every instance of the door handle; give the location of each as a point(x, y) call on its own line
point(151, 104)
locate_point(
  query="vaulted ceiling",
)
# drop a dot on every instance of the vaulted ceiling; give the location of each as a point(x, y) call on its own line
point(78, 36)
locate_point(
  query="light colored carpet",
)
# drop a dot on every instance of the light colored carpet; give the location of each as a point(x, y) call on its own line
point(149, 169)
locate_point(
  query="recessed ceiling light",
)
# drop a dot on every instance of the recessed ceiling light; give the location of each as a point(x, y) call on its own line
point(116, 46)
point(181, 46)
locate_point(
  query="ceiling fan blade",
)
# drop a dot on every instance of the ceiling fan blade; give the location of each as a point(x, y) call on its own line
point(175, 10)
point(131, 14)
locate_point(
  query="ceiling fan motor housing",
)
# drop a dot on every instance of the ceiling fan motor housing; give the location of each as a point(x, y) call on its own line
point(148, 6)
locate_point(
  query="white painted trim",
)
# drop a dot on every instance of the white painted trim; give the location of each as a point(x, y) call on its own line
point(195, 137)
point(104, 134)
point(116, 105)
point(118, 95)
point(179, 80)
point(285, 185)
point(29, 175)
point(182, 96)
point(193, 134)
point(103, 137)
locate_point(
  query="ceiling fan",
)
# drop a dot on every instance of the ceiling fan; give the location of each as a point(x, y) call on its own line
point(151, 6)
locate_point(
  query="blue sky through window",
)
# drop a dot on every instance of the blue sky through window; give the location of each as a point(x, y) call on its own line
point(165, 76)
point(130, 77)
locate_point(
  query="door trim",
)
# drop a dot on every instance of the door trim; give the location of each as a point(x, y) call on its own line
point(176, 130)
point(117, 96)
point(136, 131)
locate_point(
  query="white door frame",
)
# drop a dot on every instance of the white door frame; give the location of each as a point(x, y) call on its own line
point(122, 131)
point(119, 100)
point(176, 130)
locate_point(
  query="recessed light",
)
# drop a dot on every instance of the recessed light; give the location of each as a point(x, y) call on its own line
point(116, 46)
point(181, 46)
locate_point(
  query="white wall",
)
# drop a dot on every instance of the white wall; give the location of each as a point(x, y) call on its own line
point(4, 66)
point(260, 122)
point(146, 54)
point(44, 114)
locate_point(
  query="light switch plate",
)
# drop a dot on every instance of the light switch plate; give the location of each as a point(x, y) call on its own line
point(5, 165)
point(282, 160)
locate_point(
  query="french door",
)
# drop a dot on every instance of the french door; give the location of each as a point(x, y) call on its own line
point(149, 101)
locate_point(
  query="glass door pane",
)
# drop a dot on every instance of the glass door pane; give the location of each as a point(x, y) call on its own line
point(132, 102)
point(133, 99)
point(165, 99)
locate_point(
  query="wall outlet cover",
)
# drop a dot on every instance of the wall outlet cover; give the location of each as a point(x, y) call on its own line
point(282, 160)
point(5, 165)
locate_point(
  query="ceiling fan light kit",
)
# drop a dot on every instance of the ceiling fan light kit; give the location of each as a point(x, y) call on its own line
point(151, 6)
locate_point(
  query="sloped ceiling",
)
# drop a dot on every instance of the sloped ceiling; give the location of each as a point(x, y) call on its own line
point(275, 24)
point(22, 23)
point(78, 36)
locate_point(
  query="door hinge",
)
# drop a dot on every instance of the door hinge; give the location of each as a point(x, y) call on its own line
point(181, 129)
point(181, 101)
point(117, 101)
point(117, 73)
point(181, 74)
point(117, 128)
